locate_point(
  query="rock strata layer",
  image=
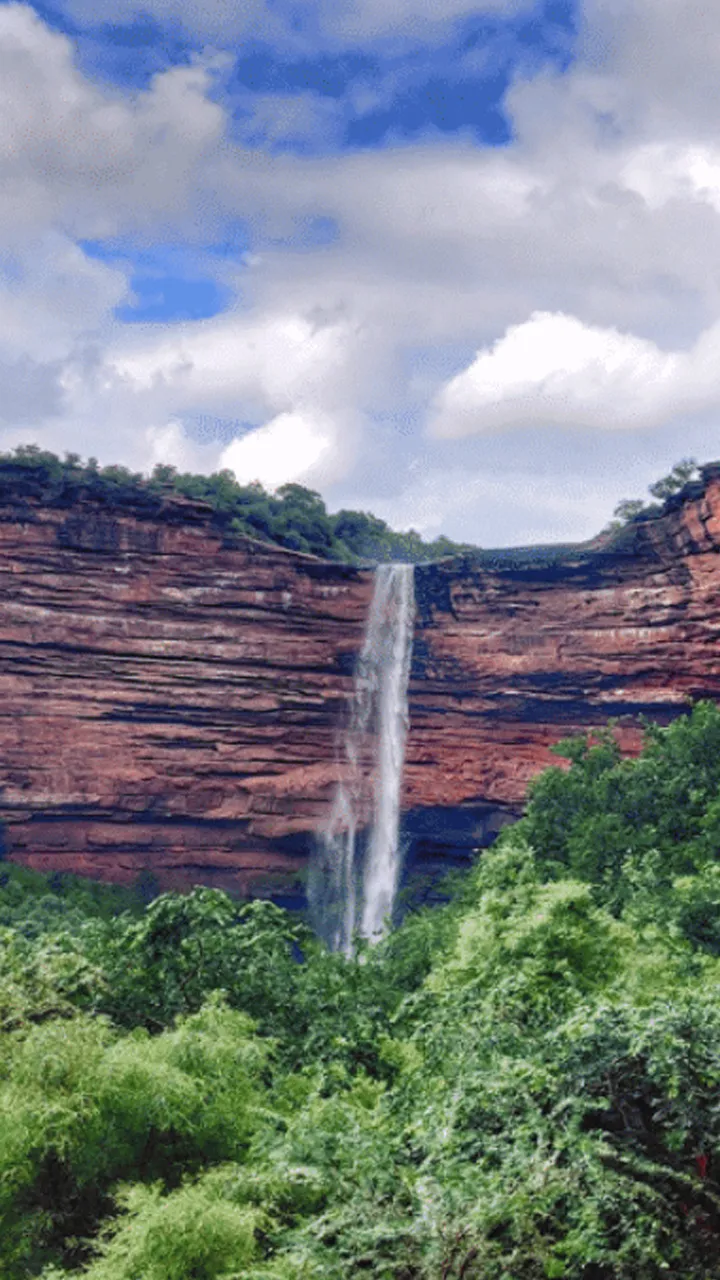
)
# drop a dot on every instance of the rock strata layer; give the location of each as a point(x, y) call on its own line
point(171, 705)
point(167, 704)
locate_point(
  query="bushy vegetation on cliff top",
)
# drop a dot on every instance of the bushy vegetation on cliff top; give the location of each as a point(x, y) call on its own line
point(292, 517)
point(521, 1084)
point(630, 510)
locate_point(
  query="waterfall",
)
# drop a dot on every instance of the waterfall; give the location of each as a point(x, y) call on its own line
point(354, 876)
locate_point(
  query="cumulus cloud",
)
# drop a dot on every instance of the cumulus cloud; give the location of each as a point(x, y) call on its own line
point(359, 21)
point(88, 160)
point(271, 360)
point(78, 160)
point(219, 21)
point(169, 444)
point(293, 377)
point(553, 370)
point(290, 119)
point(660, 172)
point(448, 243)
point(297, 446)
point(574, 262)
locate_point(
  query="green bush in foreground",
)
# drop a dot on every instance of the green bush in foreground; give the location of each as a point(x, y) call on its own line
point(522, 1084)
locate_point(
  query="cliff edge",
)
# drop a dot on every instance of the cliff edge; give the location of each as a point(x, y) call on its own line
point(170, 704)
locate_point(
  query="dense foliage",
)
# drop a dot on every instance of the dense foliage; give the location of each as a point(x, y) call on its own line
point(521, 1084)
point(293, 516)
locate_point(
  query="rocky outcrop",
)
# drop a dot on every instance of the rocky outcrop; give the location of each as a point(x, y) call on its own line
point(170, 704)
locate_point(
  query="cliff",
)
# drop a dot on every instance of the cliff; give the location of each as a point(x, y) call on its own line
point(517, 649)
point(169, 703)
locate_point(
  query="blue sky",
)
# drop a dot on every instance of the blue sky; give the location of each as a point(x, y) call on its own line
point(371, 97)
point(454, 265)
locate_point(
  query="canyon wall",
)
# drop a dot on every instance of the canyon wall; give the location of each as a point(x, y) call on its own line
point(170, 705)
point(518, 649)
point(166, 703)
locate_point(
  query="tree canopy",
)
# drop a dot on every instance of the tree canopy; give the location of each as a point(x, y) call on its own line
point(292, 516)
point(520, 1084)
point(629, 509)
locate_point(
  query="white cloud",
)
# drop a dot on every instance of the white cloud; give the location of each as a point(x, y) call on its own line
point(660, 172)
point(219, 21)
point(273, 360)
point(660, 57)
point(91, 161)
point(294, 446)
point(30, 390)
point(168, 443)
point(294, 376)
point(577, 262)
point(555, 371)
point(52, 296)
point(450, 243)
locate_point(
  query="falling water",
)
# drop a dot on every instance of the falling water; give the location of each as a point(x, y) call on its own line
point(355, 875)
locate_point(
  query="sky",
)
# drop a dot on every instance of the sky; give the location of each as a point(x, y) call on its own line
point(456, 262)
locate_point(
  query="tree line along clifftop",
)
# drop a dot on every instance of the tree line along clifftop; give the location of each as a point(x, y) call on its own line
point(293, 516)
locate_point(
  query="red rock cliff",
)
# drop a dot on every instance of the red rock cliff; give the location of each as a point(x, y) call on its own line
point(171, 704)
point(167, 703)
point(518, 649)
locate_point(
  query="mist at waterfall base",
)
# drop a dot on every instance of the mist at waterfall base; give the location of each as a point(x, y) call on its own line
point(356, 868)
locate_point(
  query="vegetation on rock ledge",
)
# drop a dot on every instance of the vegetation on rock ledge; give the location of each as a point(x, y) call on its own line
point(521, 1084)
point(292, 517)
point(637, 509)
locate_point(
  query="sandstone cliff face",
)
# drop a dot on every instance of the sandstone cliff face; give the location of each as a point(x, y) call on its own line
point(166, 703)
point(170, 704)
point(521, 649)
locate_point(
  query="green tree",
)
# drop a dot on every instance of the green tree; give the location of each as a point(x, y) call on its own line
point(82, 1107)
point(520, 1083)
point(681, 473)
point(630, 509)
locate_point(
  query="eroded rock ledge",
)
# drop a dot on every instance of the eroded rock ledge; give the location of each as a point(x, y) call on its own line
point(170, 704)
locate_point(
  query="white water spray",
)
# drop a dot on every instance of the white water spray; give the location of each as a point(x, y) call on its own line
point(353, 883)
